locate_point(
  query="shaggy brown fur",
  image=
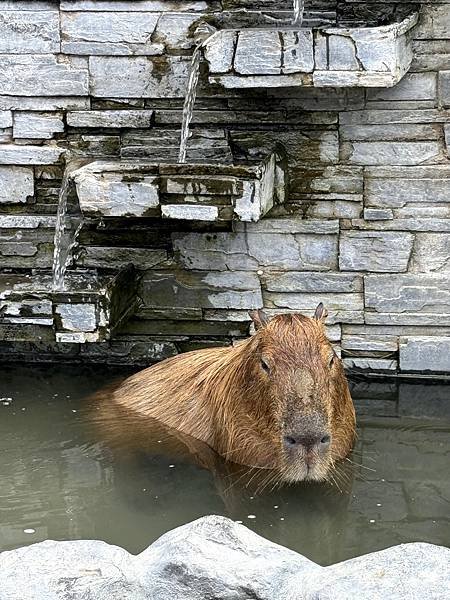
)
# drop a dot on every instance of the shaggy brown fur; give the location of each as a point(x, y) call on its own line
point(243, 400)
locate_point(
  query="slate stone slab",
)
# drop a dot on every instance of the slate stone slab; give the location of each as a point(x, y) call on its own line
point(87, 310)
point(328, 57)
point(199, 192)
point(425, 354)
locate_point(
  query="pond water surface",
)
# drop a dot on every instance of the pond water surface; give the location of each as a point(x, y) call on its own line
point(61, 479)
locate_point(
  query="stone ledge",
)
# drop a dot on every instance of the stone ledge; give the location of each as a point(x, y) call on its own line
point(87, 310)
point(220, 558)
point(201, 192)
point(333, 57)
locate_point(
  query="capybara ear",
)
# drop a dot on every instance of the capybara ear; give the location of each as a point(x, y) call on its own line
point(259, 318)
point(321, 313)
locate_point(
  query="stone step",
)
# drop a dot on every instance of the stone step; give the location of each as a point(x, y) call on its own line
point(199, 192)
point(376, 56)
point(88, 310)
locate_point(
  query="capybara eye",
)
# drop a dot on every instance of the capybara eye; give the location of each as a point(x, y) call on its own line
point(264, 366)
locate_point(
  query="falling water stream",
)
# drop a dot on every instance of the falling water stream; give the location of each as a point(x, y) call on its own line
point(64, 245)
point(299, 9)
point(189, 101)
point(59, 256)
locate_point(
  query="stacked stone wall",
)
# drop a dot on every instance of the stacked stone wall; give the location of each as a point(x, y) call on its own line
point(366, 225)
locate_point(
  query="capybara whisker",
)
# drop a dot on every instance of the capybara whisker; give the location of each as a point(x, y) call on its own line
point(277, 401)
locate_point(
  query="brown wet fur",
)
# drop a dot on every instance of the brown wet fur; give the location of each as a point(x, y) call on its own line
point(225, 398)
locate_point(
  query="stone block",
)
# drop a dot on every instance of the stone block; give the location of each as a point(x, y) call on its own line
point(378, 214)
point(220, 56)
point(138, 77)
point(414, 86)
point(391, 132)
point(298, 53)
point(109, 33)
point(142, 6)
point(174, 31)
point(199, 289)
point(42, 75)
point(369, 343)
point(292, 225)
point(425, 354)
point(339, 306)
point(447, 138)
point(408, 293)
point(370, 364)
point(29, 32)
point(77, 317)
point(37, 125)
point(434, 22)
point(377, 251)
point(444, 88)
point(13, 154)
point(190, 212)
point(5, 119)
point(394, 187)
point(340, 283)
point(110, 118)
point(252, 250)
point(43, 104)
point(431, 253)
point(16, 184)
point(391, 153)
point(113, 257)
point(113, 196)
point(266, 61)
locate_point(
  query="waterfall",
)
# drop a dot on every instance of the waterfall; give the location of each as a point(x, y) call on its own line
point(299, 9)
point(63, 245)
point(58, 261)
point(189, 101)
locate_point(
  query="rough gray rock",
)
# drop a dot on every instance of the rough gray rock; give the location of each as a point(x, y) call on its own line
point(215, 557)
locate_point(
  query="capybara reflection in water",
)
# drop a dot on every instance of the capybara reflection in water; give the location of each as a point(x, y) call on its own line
point(278, 400)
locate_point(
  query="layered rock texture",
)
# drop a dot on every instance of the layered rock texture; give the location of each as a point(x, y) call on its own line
point(216, 558)
point(365, 223)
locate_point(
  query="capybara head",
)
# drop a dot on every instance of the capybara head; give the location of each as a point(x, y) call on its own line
point(298, 390)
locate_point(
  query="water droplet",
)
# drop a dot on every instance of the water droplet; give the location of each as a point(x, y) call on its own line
point(378, 504)
point(276, 506)
point(171, 466)
point(281, 518)
point(29, 530)
point(251, 516)
point(371, 520)
point(73, 410)
point(240, 522)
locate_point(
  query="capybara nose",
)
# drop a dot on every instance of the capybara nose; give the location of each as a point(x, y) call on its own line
point(320, 441)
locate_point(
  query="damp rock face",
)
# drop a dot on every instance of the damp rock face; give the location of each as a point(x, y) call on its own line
point(362, 225)
point(215, 557)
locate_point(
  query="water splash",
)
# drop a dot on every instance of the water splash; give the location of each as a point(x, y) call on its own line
point(299, 9)
point(189, 101)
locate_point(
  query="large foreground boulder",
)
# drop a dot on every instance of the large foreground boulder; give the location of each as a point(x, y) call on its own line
point(215, 558)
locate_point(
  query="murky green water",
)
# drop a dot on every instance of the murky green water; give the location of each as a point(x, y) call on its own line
point(60, 479)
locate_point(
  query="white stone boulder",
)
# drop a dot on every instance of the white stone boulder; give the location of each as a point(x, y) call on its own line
point(215, 557)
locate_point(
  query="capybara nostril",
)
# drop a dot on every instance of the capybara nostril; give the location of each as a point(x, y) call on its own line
point(312, 441)
point(325, 441)
point(289, 441)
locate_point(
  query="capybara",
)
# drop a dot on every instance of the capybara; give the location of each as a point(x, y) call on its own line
point(278, 400)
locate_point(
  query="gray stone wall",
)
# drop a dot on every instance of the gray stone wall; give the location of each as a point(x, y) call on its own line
point(365, 227)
